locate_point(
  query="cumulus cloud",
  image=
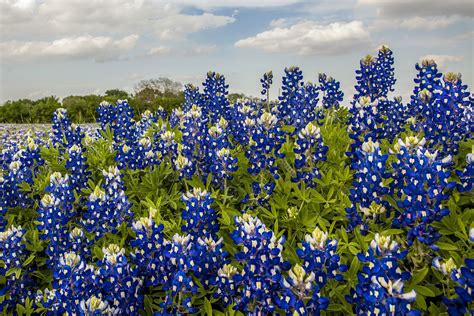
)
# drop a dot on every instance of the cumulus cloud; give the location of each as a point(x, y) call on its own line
point(178, 25)
point(205, 4)
point(16, 11)
point(186, 52)
point(99, 48)
point(422, 7)
point(442, 60)
point(43, 18)
point(159, 51)
point(310, 38)
point(428, 23)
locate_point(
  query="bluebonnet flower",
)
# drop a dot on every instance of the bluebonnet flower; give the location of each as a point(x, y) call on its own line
point(298, 102)
point(421, 182)
point(55, 211)
point(380, 284)
point(176, 117)
point(260, 282)
point(364, 124)
point(125, 126)
point(375, 78)
point(79, 243)
point(10, 192)
point(108, 207)
point(185, 166)
point(177, 277)
point(192, 96)
point(160, 114)
point(209, 257)
point(165, 144)
point(12, 255)
point(94, 306)
point(145, 154)
point(201, 224)
point(106, 114)
point(227, 281)
point(147, 120)
point(193, 132)
point(463, 278)
point(265, 144)
point(63, 133)
point(393, 114)
point(243, 120)
point(19, 166)
point(218, 161)
point(78, 168)
point(466, 176)
point(318, 254)
point(386, 72)
point(332, 95)
point(73, 280)
point(309, 150)
point(439, 108)
point(320, 263)
point(200, 218)
point(61, 125)
point(428, 79)
point(223, 165)
point(266, 82)
point(121, 287)
point(291, 88)
point(214, 97)
point(126, 157)
point(368, 190)
point(149, 250)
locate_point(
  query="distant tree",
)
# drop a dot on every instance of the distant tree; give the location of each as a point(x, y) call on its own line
point(16, 111)
point(119, 94)
point(153, 93)
point(76, 107)
point(232, 97)
point(42, 110)
point(161, 86)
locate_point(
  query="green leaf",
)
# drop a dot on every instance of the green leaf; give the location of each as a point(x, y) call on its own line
point(207, 307)
point(446, 246)
point(420, 301)
point(344, 235)
point(389, 232)
point(29, 260)
point(425, 291)
point(419, 276)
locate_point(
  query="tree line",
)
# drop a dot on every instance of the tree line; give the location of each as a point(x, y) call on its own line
point(148, 95)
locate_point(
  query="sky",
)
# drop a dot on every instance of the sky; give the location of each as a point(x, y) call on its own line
point(77, 47)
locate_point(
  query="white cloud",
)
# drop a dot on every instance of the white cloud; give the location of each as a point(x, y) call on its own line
point(417, 14)
point(16, 11)
point(205, 4)
point(199, 50)
point(282, 22)
point(99, 48)
point(186, 51)
point(428, 23)
point(52, 18)
point(421, 7)
point(178, 25)
point(310, 38)
point(442, 60)
point(159, 51)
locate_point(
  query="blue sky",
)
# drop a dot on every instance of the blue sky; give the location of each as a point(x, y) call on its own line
point(75, 47)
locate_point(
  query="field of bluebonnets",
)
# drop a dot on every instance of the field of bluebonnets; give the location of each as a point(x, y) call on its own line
point(303, 205)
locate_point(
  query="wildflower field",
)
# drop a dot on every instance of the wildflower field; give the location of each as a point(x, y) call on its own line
point(307, 203)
